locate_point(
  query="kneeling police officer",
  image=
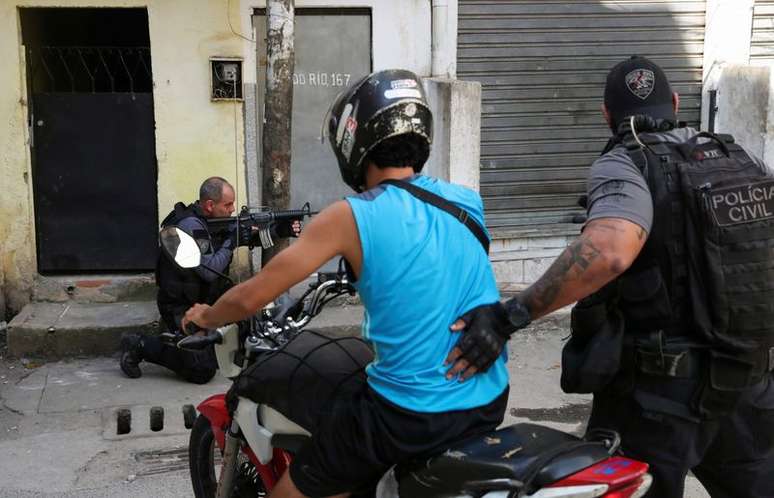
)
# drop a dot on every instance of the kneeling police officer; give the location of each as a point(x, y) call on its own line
point(180, 288)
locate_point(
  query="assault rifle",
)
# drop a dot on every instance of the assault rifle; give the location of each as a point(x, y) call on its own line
point(254, 224)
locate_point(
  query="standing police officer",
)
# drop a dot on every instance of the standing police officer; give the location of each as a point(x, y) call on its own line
point(679, 246)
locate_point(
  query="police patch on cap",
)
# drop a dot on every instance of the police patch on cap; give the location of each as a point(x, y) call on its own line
point(641, 82)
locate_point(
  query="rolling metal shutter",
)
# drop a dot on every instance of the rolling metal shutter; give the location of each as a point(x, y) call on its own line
point(762, 46)
point(542, 65)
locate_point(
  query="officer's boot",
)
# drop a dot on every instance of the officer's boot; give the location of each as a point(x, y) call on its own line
point(131, 355)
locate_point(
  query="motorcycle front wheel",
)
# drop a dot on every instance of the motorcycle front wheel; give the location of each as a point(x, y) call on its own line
point(204, 460)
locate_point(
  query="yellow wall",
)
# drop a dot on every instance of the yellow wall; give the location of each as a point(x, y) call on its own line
point(195, 138)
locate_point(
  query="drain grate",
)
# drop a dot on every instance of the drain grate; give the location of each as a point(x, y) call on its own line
point(143, 421)
point(155, 462)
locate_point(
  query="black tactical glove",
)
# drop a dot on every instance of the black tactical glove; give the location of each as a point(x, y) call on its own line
point(487, 329)
point(234, 239)
point(231, 238)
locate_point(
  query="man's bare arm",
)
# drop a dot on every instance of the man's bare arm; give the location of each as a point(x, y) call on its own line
point(333, 232)
point(605, 249)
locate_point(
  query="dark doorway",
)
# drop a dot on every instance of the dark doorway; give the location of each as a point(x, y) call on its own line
point(93, 144)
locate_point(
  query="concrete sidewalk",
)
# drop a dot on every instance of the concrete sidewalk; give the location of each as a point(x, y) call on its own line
point(58, 435)
point(56, 330)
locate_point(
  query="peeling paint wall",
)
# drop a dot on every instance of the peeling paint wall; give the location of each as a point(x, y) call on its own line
point(746, 108)
point(727, 34)
point(455, 153)
point(195, 137)
point(743, 105)
point(17, 254)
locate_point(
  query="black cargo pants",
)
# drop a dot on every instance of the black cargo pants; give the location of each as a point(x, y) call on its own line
point(732, 455)
point(198, 367)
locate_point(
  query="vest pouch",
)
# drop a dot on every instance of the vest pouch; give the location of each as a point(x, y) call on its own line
point(729, 372)
point(728, 380)
point(644, 300)
point(591, 358)
point(179, 287)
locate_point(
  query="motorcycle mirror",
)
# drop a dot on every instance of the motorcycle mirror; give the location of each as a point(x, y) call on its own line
point(180, 247)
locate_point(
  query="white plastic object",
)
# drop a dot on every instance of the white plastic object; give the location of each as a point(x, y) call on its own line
point(227, 350)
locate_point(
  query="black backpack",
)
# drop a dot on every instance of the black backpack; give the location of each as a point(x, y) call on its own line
point(722, 207)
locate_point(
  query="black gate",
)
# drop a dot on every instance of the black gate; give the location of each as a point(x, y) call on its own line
point(94, 161)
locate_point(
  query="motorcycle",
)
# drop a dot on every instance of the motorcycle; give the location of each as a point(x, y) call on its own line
point(253, 448)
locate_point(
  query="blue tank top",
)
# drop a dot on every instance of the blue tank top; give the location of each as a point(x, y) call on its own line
point(421, 270)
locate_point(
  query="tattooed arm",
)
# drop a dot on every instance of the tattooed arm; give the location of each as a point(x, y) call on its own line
point(605, 249)
point(620, 210)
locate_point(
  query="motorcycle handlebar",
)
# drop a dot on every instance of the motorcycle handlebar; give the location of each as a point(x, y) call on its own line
point(199, 342)
point(323, 277)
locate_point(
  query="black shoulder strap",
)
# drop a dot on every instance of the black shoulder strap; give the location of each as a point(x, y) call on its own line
point(175, 215)
point(441, 203)
point(638, 152)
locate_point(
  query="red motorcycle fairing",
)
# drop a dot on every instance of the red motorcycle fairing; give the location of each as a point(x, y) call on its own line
point(214, 409)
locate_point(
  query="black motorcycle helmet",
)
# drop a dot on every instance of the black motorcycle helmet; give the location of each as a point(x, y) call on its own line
point(382, 105)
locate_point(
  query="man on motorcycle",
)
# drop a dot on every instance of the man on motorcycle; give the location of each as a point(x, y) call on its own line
point(181, 288)
point(416, 269)
point(681, 399)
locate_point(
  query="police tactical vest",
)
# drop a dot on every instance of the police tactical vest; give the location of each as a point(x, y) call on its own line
point(181, 288)
point(706, 271)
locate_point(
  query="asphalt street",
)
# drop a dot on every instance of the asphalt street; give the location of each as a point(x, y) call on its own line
point(58, 427)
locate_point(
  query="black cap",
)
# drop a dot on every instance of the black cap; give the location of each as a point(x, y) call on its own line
point(638, 86)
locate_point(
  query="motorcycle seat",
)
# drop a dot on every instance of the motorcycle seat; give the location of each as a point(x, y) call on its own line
point(521, 452)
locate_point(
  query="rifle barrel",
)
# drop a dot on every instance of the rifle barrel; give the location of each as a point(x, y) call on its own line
point(258, 218)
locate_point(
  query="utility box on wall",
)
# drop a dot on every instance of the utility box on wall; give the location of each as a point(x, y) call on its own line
point(226, 78)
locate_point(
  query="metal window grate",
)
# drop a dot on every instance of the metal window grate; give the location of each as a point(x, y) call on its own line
point(89, 69)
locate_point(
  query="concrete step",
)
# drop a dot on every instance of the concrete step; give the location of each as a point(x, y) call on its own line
point(94, 288)
point(55, 330)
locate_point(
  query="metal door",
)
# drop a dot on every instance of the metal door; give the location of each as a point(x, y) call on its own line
point(333, 49)
point(94, 165)
point(542, 65)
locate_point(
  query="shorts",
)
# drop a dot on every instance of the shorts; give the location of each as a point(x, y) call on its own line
point(362, 436)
